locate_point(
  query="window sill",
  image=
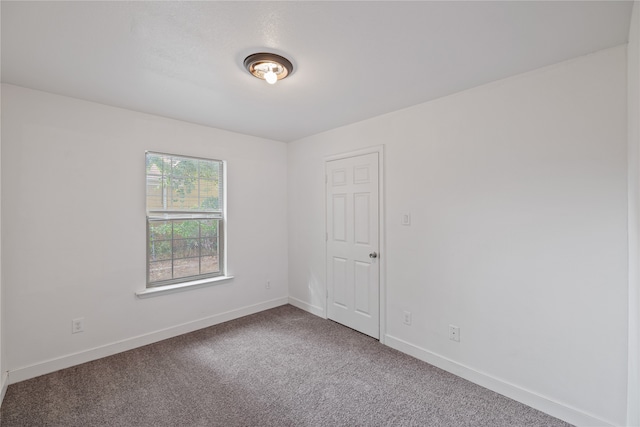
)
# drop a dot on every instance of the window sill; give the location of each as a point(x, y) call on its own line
point(180, 287)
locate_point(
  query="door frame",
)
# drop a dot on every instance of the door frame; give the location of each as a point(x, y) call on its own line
point(382, 253)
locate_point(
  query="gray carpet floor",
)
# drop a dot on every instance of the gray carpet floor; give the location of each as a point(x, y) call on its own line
point(281, 367)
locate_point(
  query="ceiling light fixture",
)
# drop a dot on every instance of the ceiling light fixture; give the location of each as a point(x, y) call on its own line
point(268, 66)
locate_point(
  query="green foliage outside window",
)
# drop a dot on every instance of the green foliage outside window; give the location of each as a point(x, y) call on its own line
point(183, 247)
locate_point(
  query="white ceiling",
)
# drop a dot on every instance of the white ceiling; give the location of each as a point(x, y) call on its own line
point(353, 60)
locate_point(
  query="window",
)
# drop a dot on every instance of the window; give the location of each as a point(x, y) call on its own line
point(185, 219)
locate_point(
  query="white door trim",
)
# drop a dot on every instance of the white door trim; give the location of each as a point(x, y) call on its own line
point(381, 228)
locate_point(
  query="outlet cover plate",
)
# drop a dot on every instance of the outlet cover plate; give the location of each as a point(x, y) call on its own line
point(407, 318)
point(77, 325)
point(454, 333)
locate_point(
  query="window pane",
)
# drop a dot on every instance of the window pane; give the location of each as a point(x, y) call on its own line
point(184, 183)
point(159, 271)
point(210, 264)
point(156, 180)
point(209, 227)
point(209, 169)
point(186, 267)
point(184, 167)
point(184, 197)
point(183, 248)
point(209, 194)
point(209, 246)
point(159, 250)
point(155, 197)
point(210, 185)
point(159, 230)
point(184, 229)
point(157, 164)
point(180, 248)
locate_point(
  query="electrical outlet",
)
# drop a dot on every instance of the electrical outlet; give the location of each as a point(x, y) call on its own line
point(268, 285)
point(77, 325)
point(454, 333)
point(407, 318)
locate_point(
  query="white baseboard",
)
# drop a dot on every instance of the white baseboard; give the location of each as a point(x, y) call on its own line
point(532, 399)
point(556, 409)
point(69, 360)
point(313, 309)
point(4, 383)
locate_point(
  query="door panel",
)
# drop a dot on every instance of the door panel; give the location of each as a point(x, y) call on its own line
point(353, 288)
point(339, 219)
point(362, 207)
point(361, 283)
point(340, 282)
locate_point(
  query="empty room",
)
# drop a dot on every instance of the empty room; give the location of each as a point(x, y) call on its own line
point(319, 213)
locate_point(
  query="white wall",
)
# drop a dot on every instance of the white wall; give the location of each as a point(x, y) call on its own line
point(518, 197)
point(517, 191)
point(633, 101)
point(73, 191)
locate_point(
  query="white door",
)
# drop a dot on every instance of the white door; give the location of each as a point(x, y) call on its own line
point(353, 271)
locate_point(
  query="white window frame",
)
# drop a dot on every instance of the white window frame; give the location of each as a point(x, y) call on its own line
point(172, 215)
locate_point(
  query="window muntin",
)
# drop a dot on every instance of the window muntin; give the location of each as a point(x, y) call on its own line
point(185, 218)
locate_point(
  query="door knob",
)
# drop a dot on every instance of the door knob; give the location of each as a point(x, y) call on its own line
point(373, 255)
